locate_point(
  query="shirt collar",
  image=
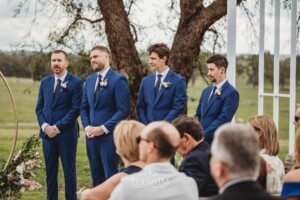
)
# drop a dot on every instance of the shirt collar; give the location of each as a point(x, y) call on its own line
point(62, 78)
point(219, 85)
point(103, 74)
point(235, 181)
point(164, 73)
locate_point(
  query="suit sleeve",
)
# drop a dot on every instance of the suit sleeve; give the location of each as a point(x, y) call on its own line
point(40, 106)
point(140, 109)
point(84, 108)
point(230, 106)
point(179, 101)
point(195, 168)
point(122, 100)
point(198, 111)
point(75, 108)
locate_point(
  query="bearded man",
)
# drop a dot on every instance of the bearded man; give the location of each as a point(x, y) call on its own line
point(105, 103)
point(218, 102)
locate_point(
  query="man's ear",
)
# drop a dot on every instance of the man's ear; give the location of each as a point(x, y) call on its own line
point(222, 169)
point(150, 147)
point(165, 58)
point(223, 70)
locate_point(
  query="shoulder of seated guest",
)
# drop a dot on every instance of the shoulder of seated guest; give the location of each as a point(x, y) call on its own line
point(292, 176)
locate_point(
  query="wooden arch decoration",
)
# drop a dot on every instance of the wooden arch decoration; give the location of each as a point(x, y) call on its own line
point(16, 121)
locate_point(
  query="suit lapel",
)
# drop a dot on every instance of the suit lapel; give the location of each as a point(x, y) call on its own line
point(151, 84)
point(50, 89)
point(161, 89)
point(211, 102)
point(107, 76)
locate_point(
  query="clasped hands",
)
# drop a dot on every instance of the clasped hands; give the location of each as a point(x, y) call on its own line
point(51, 131)
point(94, 131)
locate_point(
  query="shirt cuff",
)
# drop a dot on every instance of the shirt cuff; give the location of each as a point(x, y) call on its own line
point(44, 125)
point(56, 129)
point(87, 127)
point(105, 129)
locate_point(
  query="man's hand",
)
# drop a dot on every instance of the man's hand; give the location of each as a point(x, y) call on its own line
point(50, 131)
point(94, 131)
point(89, 131)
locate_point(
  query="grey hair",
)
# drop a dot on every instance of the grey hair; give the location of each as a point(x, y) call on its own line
point(236, 146)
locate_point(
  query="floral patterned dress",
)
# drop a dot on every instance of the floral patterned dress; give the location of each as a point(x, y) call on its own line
point(275, 173)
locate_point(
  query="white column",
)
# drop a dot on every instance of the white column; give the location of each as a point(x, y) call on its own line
point(231, 40)
point(261, 61)
point(293, 75)
point(276, 63)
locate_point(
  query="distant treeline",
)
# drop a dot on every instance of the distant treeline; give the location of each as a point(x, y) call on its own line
point(36, 65)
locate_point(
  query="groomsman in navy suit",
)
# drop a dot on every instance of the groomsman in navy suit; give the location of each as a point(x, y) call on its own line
point(57, 110)
point(162, 94)
point(218, 102)
point(105, 102)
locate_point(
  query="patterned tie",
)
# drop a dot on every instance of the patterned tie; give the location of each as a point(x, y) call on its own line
point(56, 89)
point(157, 84)
point(213, 93)
point(98, 87)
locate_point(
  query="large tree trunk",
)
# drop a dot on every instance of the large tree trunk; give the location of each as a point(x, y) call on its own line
point(122, 46)
point(194, 21)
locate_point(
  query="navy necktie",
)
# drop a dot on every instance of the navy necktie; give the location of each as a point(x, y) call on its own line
point(98, 86)
point(213, 93)
point(56, 88)
point(157, 84)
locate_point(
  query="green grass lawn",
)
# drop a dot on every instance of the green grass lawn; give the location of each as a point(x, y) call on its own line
point(25, 92)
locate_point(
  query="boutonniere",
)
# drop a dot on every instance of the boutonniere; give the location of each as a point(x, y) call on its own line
point(218, 91)
point(64, 85)
point(103, 84)
point(166, 85)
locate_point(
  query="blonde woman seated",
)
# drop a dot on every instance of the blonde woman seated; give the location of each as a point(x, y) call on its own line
point(125, 135)
point(269, 148)
point(291, 186)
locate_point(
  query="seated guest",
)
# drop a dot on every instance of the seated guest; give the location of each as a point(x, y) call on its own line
point(234, 164)
point(269, 148)
point(158, 179)
point(291, 186)
point(289, 159)
point(193, 148)
point(125, 135)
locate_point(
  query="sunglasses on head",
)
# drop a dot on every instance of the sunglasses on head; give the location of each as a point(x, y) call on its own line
point(296, 118)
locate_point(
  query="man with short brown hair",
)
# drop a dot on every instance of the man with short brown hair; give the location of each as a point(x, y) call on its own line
point(162, 94)
point(105, 103)
point(57, 111)
point(218, 102)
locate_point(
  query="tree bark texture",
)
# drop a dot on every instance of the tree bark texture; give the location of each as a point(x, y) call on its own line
point(194, 21)
point(122, 46)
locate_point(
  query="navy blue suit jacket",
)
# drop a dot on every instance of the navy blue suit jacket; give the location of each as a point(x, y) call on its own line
point(168, 104)
point(248, 190)
point(111, 106)
point(196, 165)
point(63, 112)
point(218, 111)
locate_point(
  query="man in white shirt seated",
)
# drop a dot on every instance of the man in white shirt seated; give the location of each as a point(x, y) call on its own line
point(159, 179)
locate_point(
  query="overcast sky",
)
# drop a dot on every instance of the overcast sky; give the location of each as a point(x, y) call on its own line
point(13, 30)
